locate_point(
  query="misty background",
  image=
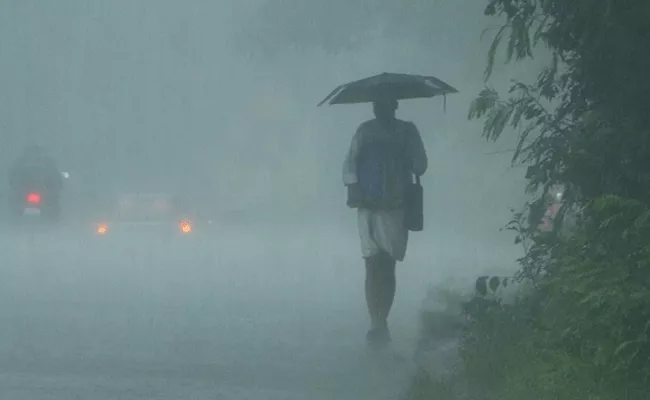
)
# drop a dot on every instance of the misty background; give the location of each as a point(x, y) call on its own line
point(217, 100)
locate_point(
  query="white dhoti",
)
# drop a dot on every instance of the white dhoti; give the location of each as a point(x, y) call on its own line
point(382, 230)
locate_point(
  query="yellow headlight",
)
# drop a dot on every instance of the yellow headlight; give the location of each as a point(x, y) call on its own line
point(102, 229)
point(186, 226)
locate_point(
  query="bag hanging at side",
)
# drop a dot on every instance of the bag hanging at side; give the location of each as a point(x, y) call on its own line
point(414, 212)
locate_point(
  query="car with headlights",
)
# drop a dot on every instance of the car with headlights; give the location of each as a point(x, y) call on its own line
point(142, 230)
point(153, 218)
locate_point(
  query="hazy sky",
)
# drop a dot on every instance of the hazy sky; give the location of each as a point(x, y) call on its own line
point(169, 95)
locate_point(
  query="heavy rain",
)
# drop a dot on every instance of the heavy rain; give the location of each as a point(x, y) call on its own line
point(201, 246)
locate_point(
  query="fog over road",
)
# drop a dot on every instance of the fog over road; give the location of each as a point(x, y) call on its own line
point(259, 315)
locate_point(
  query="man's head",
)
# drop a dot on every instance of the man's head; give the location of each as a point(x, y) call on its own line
point(385, 109)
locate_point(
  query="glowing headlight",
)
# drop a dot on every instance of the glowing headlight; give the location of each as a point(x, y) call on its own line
point(185, 226)
point(102, 229)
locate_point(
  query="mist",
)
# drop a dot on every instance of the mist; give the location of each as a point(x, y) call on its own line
point(162, 96)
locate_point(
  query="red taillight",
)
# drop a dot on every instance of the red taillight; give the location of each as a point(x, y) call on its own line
point(33, 198)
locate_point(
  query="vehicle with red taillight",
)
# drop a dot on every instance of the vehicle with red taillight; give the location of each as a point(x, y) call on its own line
point(35, 205)
point(35, 185)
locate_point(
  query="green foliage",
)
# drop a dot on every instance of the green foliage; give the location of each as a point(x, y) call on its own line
point(583, 122)
point(583, 334)
point(599, 291)
point(584, 331)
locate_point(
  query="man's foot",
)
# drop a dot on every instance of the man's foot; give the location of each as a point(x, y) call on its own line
point(379, 336)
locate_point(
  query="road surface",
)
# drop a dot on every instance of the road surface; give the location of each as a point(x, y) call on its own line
point(260, 314)
point(257, 316)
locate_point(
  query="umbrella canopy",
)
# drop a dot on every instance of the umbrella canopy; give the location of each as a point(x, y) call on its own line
point(388, 86)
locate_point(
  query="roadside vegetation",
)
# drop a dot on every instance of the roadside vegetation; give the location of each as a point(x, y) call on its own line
point(582, 331)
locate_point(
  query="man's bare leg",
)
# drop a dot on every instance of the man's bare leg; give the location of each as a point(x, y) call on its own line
point(372, 295)
point(387, 285)
point(380, 294)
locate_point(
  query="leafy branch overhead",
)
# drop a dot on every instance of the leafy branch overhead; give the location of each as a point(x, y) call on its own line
point(575, 126)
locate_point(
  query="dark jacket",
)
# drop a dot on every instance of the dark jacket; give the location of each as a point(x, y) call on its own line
point(397, 172)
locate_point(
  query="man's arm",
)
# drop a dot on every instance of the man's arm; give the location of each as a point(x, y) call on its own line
point(350, 162)
point(418, 155)
point(350, 178)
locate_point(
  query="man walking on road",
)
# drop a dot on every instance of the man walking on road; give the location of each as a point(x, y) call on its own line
point(384, 155)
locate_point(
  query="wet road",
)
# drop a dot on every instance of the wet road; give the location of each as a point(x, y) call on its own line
point(256, 316)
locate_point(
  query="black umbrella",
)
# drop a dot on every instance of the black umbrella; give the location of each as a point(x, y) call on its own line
point(388, 86)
